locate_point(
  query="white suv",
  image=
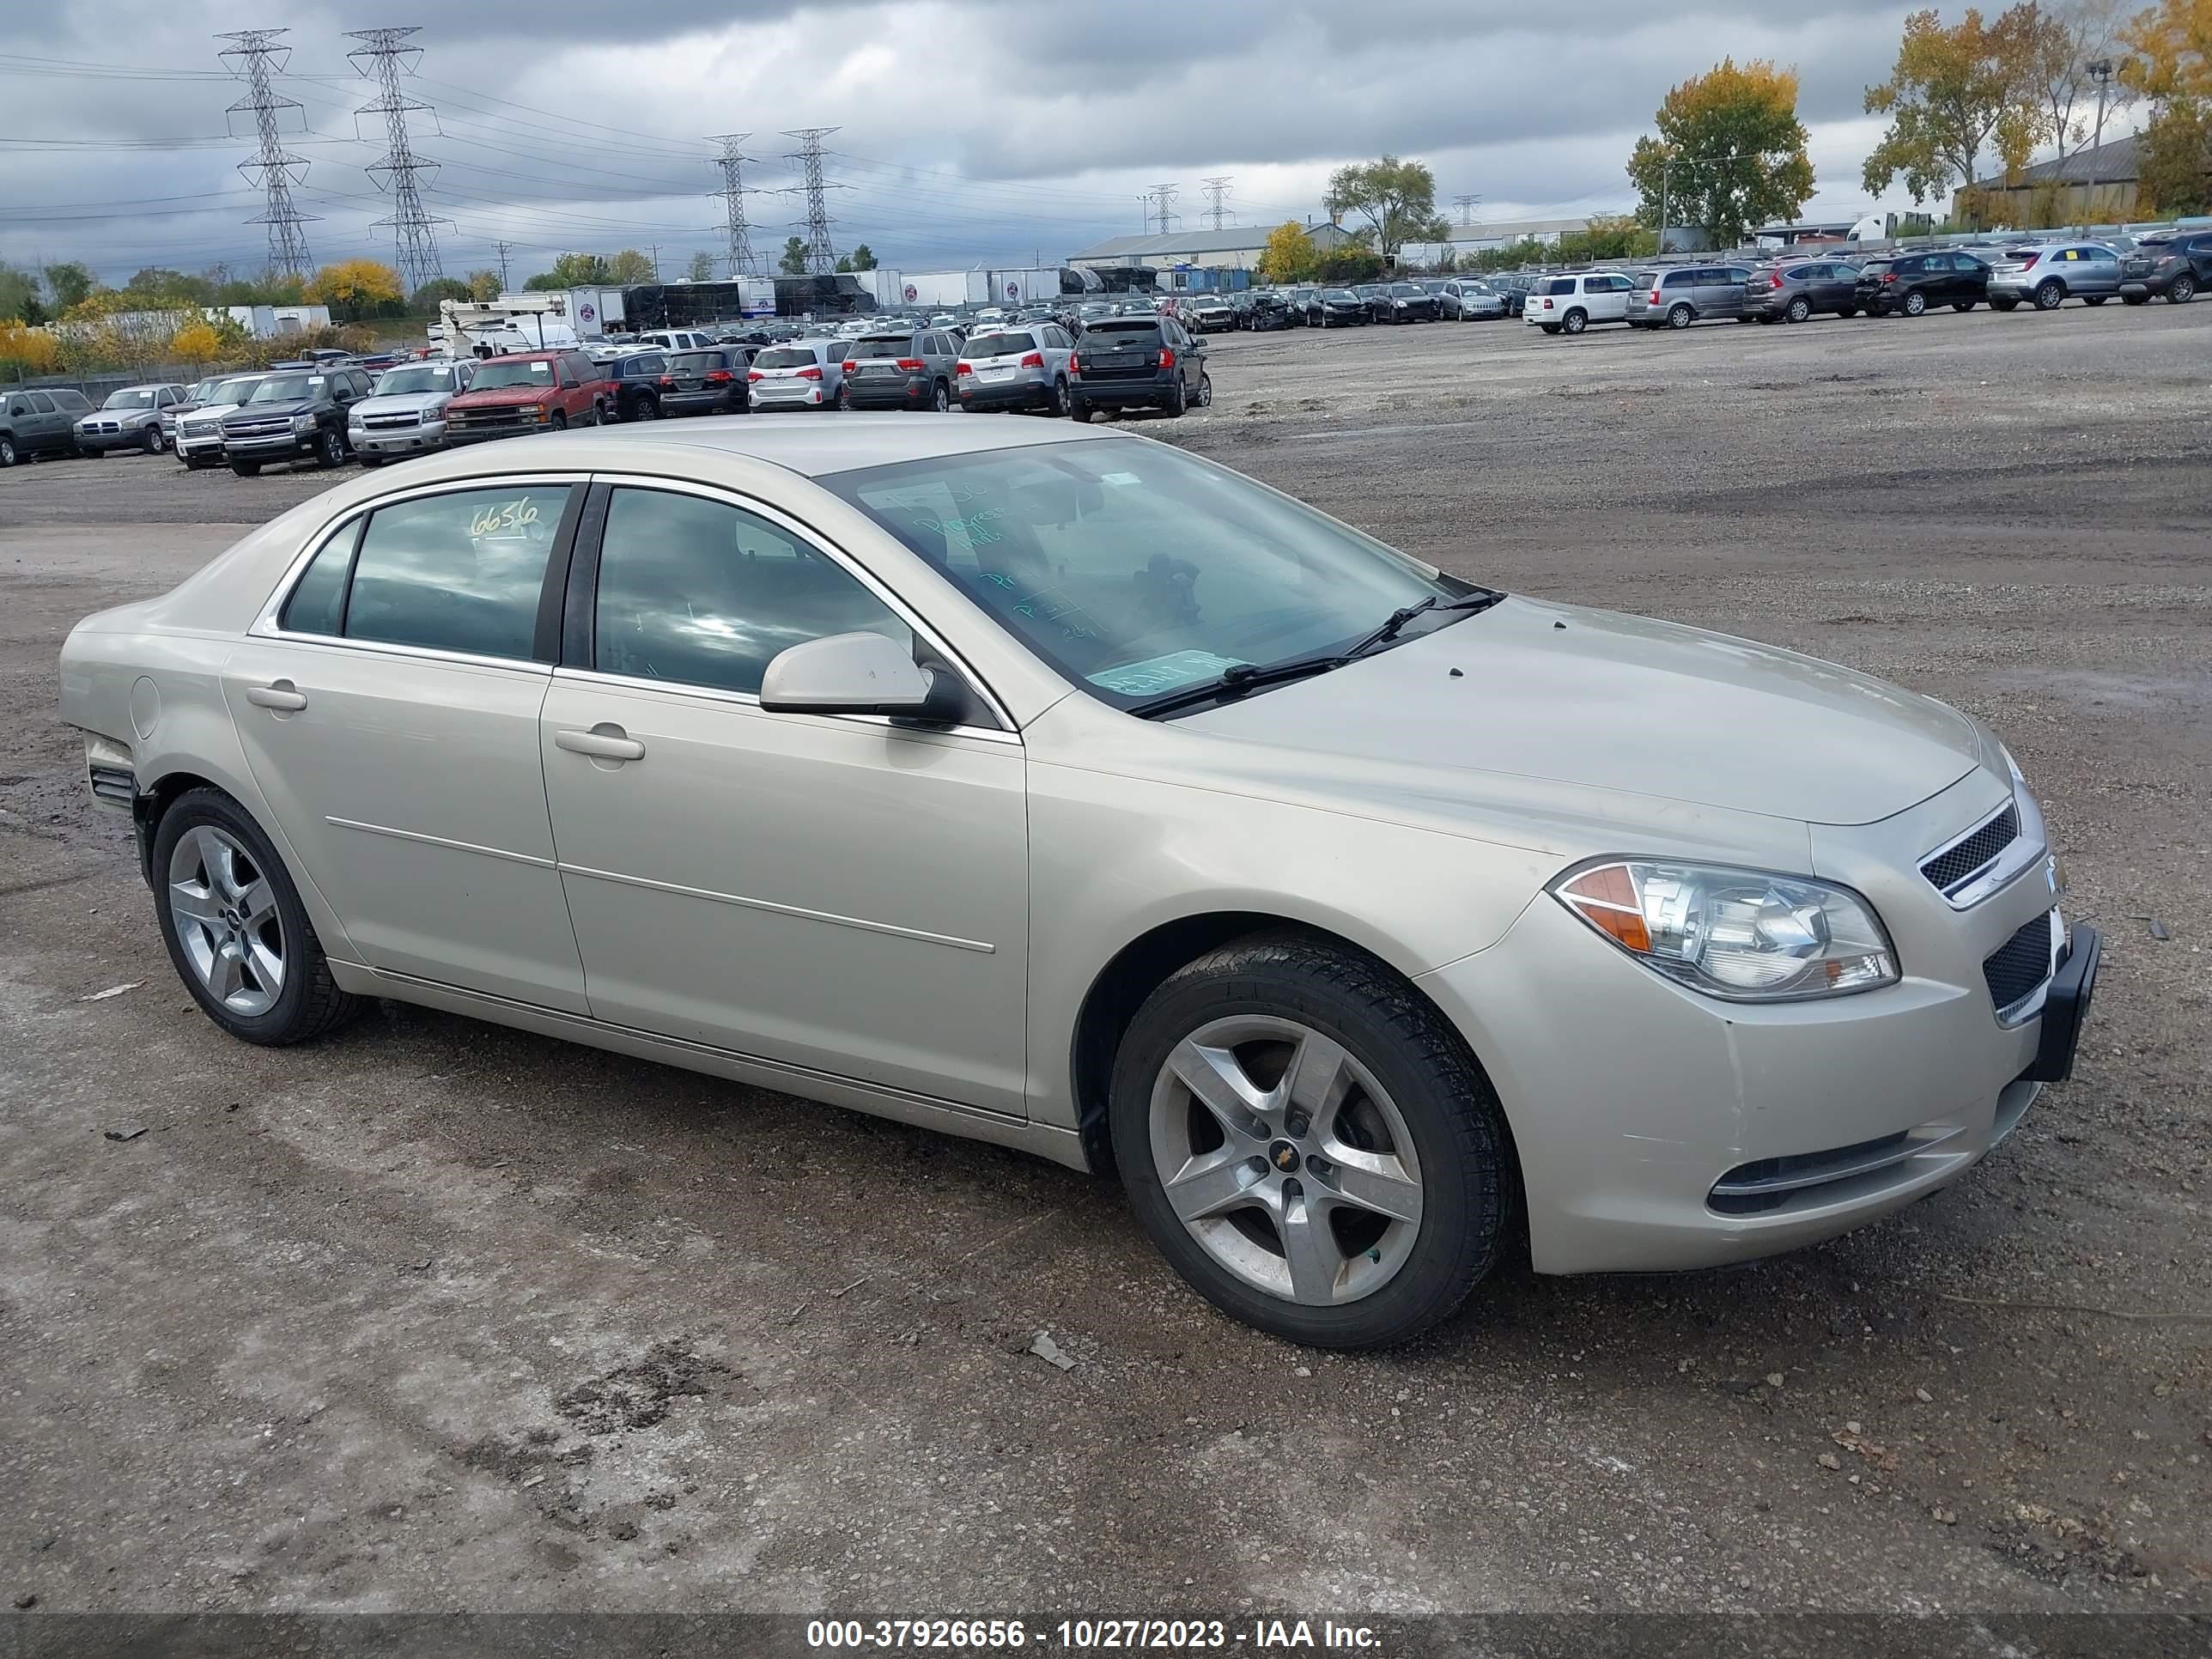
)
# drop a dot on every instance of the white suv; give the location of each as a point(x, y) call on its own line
point(677, 339)
point(1571, 304)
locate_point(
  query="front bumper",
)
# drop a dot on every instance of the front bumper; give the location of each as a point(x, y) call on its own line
point(1658, 1129)
point(398, 440)
point(277, 447)
point(199, 446)
point(131, 438)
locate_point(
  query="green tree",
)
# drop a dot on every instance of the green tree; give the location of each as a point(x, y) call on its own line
point(1398, 200)
point(1346, 264)
point(158, 285)
point(702, 269)
point(1953, 91)
point(1729, 153)
point(69, 284)
point(844, 263)
point(2173, 158)
point(864, 257)
point(19, 296)
point(484, 285)
point(630, 268)
point(441, 288)
point(1288, 255)
point(793, 262)
point(571, 271)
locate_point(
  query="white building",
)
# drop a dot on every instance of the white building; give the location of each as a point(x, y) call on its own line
point(1481, 239)
point(1235, 248)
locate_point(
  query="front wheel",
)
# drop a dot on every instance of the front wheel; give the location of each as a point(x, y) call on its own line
point(560, 421)
point(152, 442)
point(236, 929)
point(1309, 1144)
point(1964, 306)
point(247, 469)
point(329, 449)
point(1847, 310)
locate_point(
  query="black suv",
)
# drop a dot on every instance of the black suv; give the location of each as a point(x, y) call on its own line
point(1138, 363)
point(1912, 283)
point(297, 413)
point(635, 377)
point(2178, 264)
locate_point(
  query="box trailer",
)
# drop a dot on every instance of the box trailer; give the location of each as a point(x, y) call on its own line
point(946, 288)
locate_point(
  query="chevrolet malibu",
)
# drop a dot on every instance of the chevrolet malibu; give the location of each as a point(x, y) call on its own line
point(1064, 790)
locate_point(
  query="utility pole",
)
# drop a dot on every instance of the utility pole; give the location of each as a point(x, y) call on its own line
point(820, 255)
point(733, 194)
point(2102, 71)
point(1466, 205)
point(505, 249)
point(256, 53)
point(656, 262)
point(1215, 189)
point(385, 55)
point(1163, 200)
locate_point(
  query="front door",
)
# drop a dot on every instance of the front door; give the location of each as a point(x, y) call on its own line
point(388, 708)
point(837, 894)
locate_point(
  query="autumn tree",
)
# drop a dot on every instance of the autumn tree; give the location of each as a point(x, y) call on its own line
point(701, 268)
point(1289, 254)
point(2172, 44)
point(630, 268)
point(792, 263)
point(354, 288)
point(1729, 155)
point(1397, 199)
point(1953, 91)
point(570, 270)
point(196, 343)
point(2170, 63)
point(484, 285)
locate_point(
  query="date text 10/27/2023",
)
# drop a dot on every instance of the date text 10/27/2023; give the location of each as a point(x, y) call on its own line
point(1091, 1635)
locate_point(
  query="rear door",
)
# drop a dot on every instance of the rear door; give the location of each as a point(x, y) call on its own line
point(49, 423)
point(1735, 280)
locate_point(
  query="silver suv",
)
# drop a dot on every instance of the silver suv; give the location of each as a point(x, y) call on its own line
point(1687, 295)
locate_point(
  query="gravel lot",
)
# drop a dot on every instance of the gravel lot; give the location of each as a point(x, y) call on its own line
point(439, 1316)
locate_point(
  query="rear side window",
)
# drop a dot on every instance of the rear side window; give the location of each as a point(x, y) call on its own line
point(318, 602)
point(456, 573)
point(41, 404)
point(699, 592)
point(1556, 285)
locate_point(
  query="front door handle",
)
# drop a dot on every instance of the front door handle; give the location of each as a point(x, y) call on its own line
point(605, 741)
point(283, 696)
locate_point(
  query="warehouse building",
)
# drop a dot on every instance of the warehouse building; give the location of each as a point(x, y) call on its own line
point(1235, 248)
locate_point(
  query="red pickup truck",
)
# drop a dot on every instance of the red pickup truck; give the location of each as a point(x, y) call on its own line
point(529, 392)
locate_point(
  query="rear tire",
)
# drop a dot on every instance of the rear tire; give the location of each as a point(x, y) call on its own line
point(7, 451)
point(940, 401)
point(1964, 306)
point(309, 1002)
point(2004, 305)
point(2181, 290)
point(2135, 299)
point(1916, 304)
point(1799, 309)
point(1079, 411)
point(1847, 310)
point(1680, 316)
point(1575, 322)
point(2051, 296)
point(1177, 400)
point(1059, 404)
point(2087, 299)
point(1414, 1102)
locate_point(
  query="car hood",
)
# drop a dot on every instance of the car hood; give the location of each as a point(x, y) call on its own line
point(401, 403)
point(275, 410)
point(210, 412)
point(118, 415)
point(1628, 704)
point(501, 396)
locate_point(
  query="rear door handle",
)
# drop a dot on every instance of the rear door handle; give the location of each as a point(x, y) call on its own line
point(605, 742)
point(283, 696)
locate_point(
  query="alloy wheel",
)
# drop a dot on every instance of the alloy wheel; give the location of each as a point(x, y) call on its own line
point(224, 908)
point(2181, 290)
point(1285, 1159)
point(1800, 309)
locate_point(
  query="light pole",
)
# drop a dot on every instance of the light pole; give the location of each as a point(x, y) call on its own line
point(2102, 71)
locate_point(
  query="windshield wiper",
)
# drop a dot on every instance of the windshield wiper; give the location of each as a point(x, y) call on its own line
point(1235, 678)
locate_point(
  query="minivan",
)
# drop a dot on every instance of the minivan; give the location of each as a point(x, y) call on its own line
point(1686, 295)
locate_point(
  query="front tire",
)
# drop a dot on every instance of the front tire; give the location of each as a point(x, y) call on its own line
point(560, 421)
point(2087, 299)
point(329, 449)
point(1964, 306)
point(152, 440)
point(236, 929)
point(1309, 1144)
point(247, 469)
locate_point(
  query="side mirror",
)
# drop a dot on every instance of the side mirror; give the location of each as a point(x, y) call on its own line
point(857, 674)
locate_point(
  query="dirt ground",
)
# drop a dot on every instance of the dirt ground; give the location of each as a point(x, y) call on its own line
point(439, 1315)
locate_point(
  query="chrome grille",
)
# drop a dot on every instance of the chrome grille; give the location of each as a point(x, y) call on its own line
point(1966, 857)
point(257, 428)
point(2014, 968)
point(386, 422)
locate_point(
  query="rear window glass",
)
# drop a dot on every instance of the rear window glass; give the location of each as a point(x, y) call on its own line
point(999, 345)
point(1133, 327)
point(695, 362)
point(785, 357)
point(1556, 285)
point(1874, 267)
point(896, 345)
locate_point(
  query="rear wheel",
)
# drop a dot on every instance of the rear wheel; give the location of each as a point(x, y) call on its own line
point(2004, 305)
point(1963, 305)
point(940, 400)
point(1798, 309)
point(2051, 296)
point(1916, 304)
point(1079, 411)
point(1309, 1144)
point(1059, 398)
point(7, 450)
point(1549, 328)
point(1177, 400)
point(648, 409)
point(2087, 299)
point(844, 397)
point(236, 929)
point(2135, 299)
point(2182, 289)
point(1847, 310)
point(1680, 316)
point(1575, 322)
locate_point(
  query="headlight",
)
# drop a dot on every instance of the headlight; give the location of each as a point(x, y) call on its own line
point(356, 421)
point(303, 424)
point(1741, 935)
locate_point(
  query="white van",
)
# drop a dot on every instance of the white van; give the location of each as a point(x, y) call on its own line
point(1568, 305)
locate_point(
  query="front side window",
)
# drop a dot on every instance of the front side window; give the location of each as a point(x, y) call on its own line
point(1134, 568)
point(700, 592)
point(456, 573)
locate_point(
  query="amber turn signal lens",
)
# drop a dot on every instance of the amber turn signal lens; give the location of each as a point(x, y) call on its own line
point(1606, 898)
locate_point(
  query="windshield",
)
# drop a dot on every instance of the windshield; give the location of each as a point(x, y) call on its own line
point(234, 391)
point(203, 393)
point(421, 378)
point(286, 388)
point(511, 371)
point(1409, 290)
point(999, 345)
point(131, 397)
point(1341, 295)
point(1135, 570)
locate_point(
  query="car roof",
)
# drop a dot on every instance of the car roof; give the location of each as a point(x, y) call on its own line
point(804, 444)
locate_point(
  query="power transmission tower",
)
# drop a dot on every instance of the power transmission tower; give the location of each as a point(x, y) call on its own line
point(257, 56)
point(733, 194)
point(1215, 189)
point(1163, 199)
point(384, 54)
point(505, 248)
point(1466, 205)
point(820, 255)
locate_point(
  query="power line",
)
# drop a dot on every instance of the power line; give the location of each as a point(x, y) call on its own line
point(1466, 205)
point(1215, 189)
point(742, 260)
point(255, 53)
point(1163, 198)
point(384, 54)
point(820, 255)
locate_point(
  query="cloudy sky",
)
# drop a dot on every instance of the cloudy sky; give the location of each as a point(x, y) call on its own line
point(970, 131)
